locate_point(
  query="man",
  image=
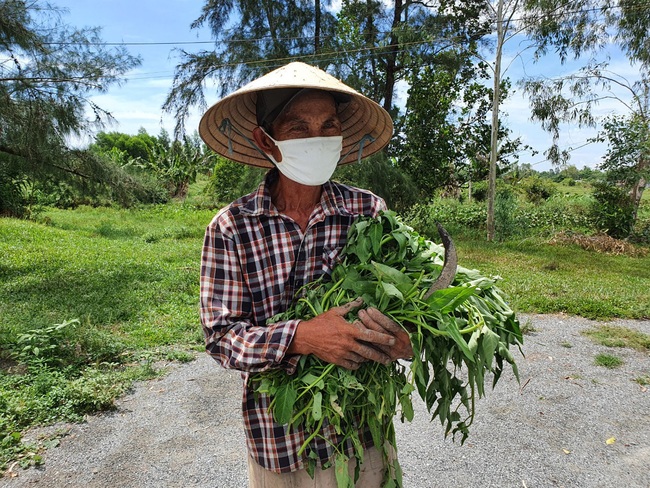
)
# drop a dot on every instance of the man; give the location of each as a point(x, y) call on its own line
point(259, 251)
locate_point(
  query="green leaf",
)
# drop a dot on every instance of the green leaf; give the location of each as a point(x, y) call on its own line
point(285, 398)
point(375, 235)
point(449, 299)
point(489, 344)
point(316, 408)
point(451, 327)
point(392, 291)
point(407, 407)
point(389, 274)
point(343, 478)
point(313, 380)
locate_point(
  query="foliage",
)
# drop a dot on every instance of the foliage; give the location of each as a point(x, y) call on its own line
point(454, 216)
point(506, 225)
point(230, 180)
point(177, 165)
point(382, 176)
point(468, 325)
point(537, 189)
point(45, 82)
point(590, 28)
point(627, 162)
point(133, 147)
point(613, 210)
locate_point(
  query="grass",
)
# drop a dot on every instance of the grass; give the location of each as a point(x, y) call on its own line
point(615, 336)
point(607, 361)
point(125, 283)
point(541, 278)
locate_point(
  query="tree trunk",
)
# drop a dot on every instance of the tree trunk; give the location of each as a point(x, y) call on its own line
point(316, 26)
point(391, 58)
point(494, 137)
point(636, 193)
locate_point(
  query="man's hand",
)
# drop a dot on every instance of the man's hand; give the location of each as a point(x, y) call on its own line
point(331, 338)
point(375, 320)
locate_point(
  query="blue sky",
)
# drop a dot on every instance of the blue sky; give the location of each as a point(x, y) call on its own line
point(138, 102)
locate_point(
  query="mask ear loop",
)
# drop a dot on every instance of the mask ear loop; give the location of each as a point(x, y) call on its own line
point(227, 128)
point(367, 138)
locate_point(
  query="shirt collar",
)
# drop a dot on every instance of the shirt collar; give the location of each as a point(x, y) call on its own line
point(331, 201)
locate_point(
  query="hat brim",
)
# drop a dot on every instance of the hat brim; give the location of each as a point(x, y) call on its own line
point(227, 126)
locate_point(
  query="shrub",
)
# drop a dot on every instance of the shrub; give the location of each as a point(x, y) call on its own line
point(453, 215)
point(537, 189)
point(230, 180)
point(505, 210)
point(612, 210)
point(480, 191)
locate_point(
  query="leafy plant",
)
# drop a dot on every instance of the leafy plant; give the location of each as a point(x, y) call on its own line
point(467, 326)
point(43, 345)
point(613, 209)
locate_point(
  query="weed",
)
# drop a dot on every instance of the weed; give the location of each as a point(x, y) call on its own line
point(566, 344)
point(608, 361)
point(528, 327)
point(643, 380)
point(618, 336)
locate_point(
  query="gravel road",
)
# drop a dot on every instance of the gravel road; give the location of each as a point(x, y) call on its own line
point(185, 430)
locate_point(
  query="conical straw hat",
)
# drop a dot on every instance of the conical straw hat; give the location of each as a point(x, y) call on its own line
point(227, 126)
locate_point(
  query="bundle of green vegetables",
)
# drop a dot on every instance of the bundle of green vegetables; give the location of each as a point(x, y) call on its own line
point(458, 334)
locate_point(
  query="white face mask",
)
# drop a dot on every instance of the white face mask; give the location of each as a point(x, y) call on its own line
point(310, 161)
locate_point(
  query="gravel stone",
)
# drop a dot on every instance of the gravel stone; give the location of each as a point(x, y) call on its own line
point(549, 430)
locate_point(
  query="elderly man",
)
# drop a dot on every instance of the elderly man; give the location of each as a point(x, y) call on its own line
point(259, 251)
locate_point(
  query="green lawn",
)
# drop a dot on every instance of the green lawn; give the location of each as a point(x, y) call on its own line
point(543, 278)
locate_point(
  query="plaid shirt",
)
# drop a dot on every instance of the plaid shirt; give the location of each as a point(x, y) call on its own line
point(254, 260)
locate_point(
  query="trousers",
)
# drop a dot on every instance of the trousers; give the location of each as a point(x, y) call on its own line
point(371, 474)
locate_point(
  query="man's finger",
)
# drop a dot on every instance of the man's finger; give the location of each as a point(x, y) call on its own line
point(373, 337)
point(348, 307)
point(371, 353)
point(371, 316)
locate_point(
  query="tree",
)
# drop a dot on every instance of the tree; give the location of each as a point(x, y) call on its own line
point(590, 29)
point(135, 147)
point(178, 165)
point(380, 44)
point(251, 37)
point(47, 72)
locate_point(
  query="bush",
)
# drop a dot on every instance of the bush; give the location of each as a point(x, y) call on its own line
point(505, 215)
point(455, 216)
point(612, 210)
point(480, 191)
point(537, 189)
point(383, 177)
point(557, 213)
point(230, 180)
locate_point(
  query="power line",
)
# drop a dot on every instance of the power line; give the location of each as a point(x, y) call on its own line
point(639, 7)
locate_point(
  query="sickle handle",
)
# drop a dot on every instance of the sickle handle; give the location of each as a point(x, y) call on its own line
point(448, 272)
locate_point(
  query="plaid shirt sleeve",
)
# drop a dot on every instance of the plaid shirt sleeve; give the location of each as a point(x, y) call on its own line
point(232, 336)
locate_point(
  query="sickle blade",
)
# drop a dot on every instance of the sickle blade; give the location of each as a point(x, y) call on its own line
point(448, 272)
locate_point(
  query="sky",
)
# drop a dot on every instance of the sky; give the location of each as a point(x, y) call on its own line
point(166, 25)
